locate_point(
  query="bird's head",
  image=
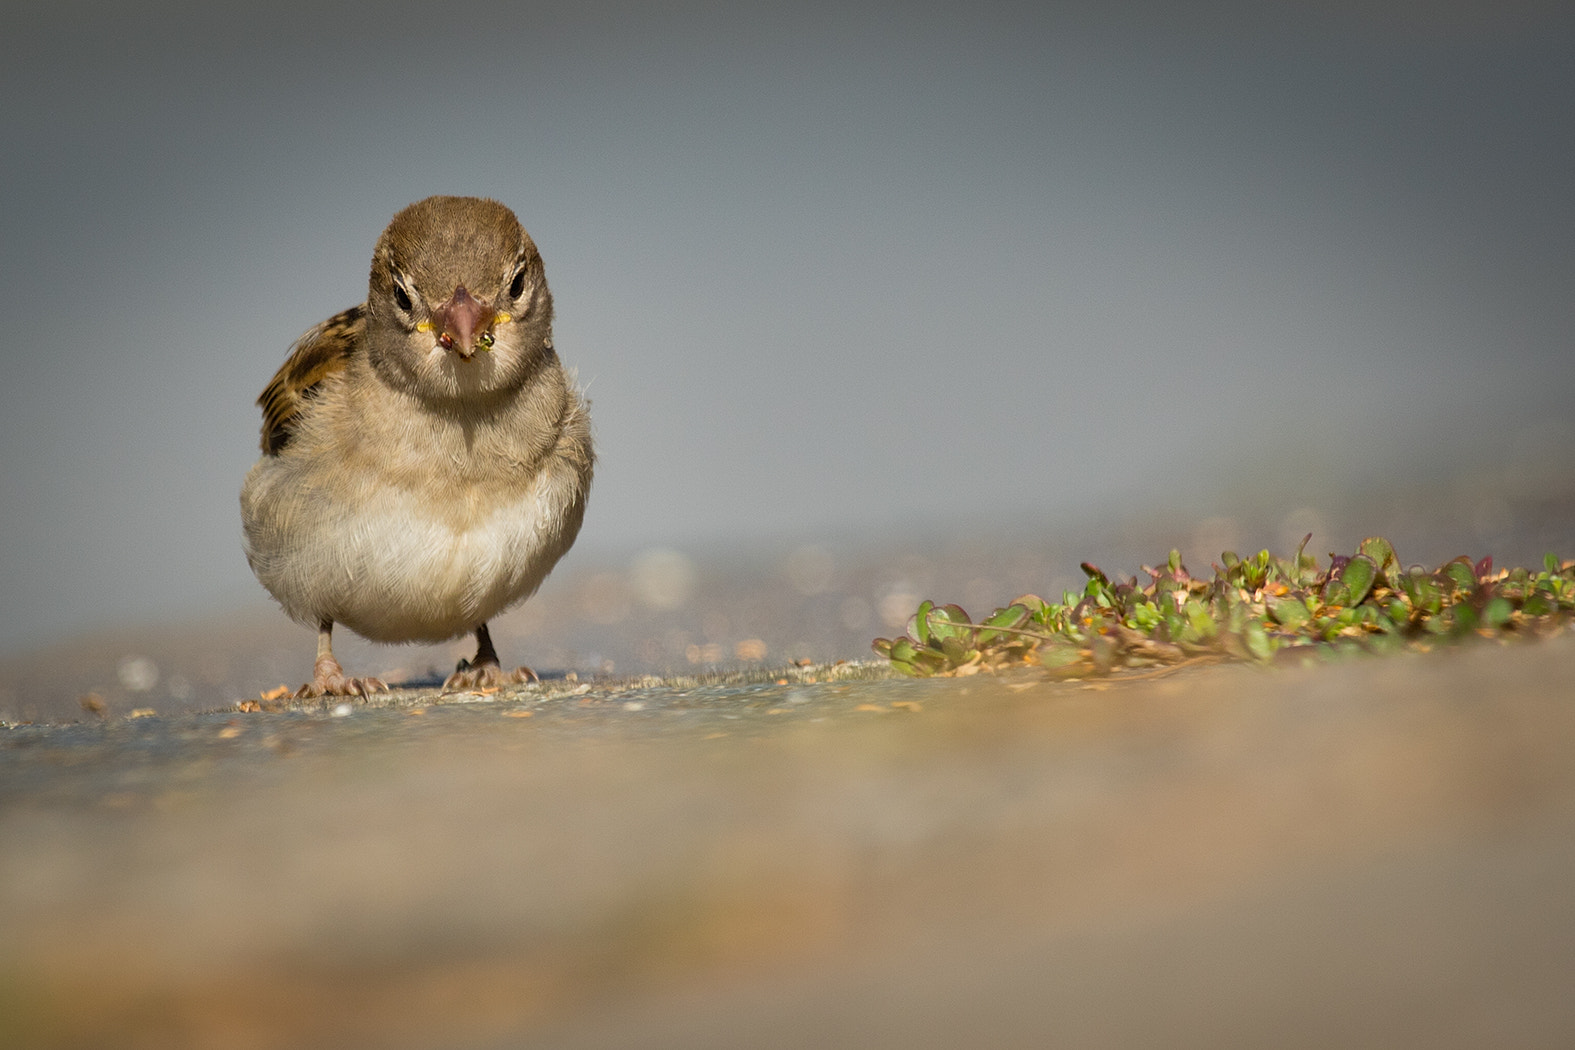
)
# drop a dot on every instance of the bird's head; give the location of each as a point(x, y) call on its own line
point(458, 304)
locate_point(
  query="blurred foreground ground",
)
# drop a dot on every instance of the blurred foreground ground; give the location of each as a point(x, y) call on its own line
point(1375, 852)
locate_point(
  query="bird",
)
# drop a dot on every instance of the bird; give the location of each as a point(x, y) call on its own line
point(426, 457)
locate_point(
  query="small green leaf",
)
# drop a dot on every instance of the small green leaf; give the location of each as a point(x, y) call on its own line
point(1539, 604)
point(919, 623)
point(1461, 571)
point(1258, 642)
point(955, 651)
point(1289, 611)
point(1383, 555)
point(903, 656)
point(1010, 616)
point(1199, 621)
point(1357, 578)
point(1496, 612)
point(1302, 561)
point(1427, 597)
point(1059, 655)
point(1013, 617)
point(950, 621)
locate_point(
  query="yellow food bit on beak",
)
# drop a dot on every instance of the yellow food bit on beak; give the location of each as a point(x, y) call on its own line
point(424, 326)
point(502, 318)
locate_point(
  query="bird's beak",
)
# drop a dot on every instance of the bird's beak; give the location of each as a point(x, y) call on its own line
point(462, 322)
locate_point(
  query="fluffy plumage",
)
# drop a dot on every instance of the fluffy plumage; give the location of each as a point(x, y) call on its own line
point(426, 458)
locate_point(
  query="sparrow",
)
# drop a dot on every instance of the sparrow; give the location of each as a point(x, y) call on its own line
point(425, 455)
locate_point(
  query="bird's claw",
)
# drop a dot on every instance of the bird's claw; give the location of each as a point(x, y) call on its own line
point(486, 676)
point(329, 679)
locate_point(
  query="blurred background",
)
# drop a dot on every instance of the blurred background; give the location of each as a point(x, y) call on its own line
point(872, 303)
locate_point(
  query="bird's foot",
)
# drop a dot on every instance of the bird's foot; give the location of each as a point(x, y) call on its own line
point(329, 679)
point(486, 676)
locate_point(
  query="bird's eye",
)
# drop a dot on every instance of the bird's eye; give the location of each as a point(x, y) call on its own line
point(402, 294)
point(517, 288)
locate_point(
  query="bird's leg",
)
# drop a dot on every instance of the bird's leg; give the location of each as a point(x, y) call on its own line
point(328, 678)
point(484, 671)
point(485, 654)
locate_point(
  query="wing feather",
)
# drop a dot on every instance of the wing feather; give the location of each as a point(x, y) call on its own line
point(323, 351)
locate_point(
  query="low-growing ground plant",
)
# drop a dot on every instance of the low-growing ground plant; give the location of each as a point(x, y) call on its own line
point(1260, 608)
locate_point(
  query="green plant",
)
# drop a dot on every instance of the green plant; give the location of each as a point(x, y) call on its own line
point(1259, 608)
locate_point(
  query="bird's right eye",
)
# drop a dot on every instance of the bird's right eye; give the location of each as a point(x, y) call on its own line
point(402, 297)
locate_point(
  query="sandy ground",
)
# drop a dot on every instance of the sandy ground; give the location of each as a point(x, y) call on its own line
point(1373, 852)
point(721, 606)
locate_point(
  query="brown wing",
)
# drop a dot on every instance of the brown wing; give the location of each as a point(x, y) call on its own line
point(318, 354)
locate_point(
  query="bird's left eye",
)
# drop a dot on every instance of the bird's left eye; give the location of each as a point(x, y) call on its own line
point(517, 288)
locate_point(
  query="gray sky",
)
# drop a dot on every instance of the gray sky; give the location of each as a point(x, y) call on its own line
point(819, 268)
